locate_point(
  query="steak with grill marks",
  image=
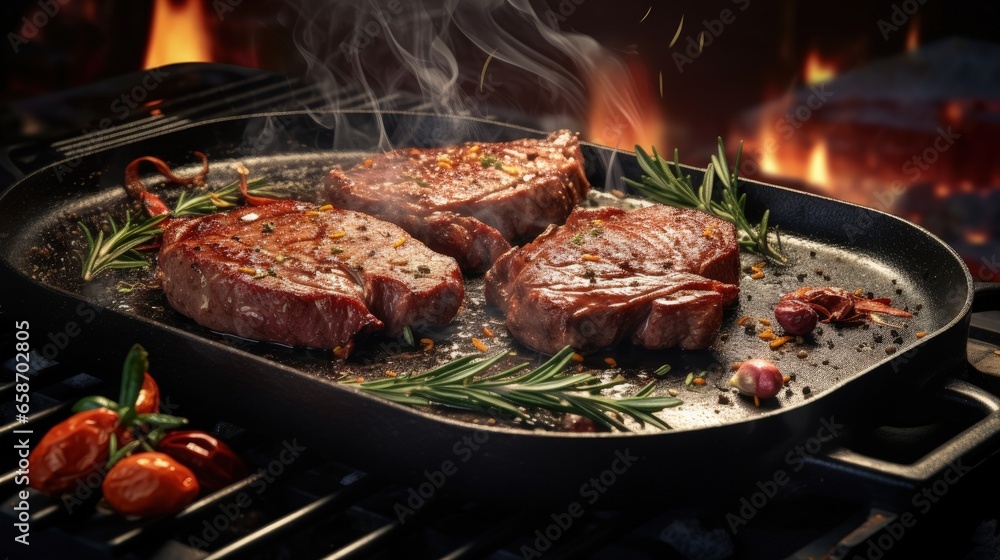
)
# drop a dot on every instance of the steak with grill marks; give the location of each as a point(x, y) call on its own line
point(469, 201)
point(659, 276)
point(291, 273)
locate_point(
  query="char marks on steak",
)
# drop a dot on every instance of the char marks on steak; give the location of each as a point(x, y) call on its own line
point(469, 201)
point(288, 272)
point(659, 275)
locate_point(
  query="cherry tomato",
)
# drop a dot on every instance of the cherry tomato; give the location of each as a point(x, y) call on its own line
point(149, 396)
point(213, 462)
point(148, 485)
point(71, 450)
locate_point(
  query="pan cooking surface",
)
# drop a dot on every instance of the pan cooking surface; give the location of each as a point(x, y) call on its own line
point(821, 361)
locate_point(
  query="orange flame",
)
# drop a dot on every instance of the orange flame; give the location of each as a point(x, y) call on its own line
point(179, 34)
point(913, 35)
point(817, 70)
point(621, 118)
point(819, 168)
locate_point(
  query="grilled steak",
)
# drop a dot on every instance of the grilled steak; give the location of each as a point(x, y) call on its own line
point(658, 275)
point(470, 201)
point(288, 272)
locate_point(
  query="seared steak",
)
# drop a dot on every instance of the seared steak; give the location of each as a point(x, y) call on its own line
point(658, 275)
point(469, 201)
point(289, 272)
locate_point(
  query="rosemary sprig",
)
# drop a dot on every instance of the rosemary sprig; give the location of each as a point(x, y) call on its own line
point(118, 250)
point(208, 202)
point(545, 387)
point(670, 185)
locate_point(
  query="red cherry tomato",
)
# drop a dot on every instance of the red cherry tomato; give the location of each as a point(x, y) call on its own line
point(71, 450)
point(213, 462)
point(149, 396)
point(148, 485)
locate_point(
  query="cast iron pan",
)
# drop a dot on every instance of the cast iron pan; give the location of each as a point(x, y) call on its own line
point(295, 392)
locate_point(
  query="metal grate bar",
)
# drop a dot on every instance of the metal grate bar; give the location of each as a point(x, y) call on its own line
point(325, 506)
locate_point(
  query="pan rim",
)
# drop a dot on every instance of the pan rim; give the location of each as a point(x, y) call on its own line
point(769, 415)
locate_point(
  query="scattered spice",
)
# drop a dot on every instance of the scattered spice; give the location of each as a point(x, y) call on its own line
point(767, 334)
point(779, 342)
point(488, 161)
point(338, 234)
point(399, 242)
point(764, 321)
point(444, 164)
point(479, 345)
point(511, 169)
point(389, 372)
point(707, 233)
point(577, 239)
point(268, 227)
point(757, 275)
point(472, 149)
point(488, 332)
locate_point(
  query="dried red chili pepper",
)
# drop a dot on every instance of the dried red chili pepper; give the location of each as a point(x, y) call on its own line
point(213, 462)
point(72, 449)
point(148, 485)
point(837, 305)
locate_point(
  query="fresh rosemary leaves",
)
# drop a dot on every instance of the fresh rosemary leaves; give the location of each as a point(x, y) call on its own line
point(208, 202)
point(118, 250)
point(670, 185)
point(510, 391)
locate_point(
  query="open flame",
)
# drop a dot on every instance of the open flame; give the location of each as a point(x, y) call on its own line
point(816, 69)
point(913, 35)
point(179, 33)
point(818, 172)
point(621, 118)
